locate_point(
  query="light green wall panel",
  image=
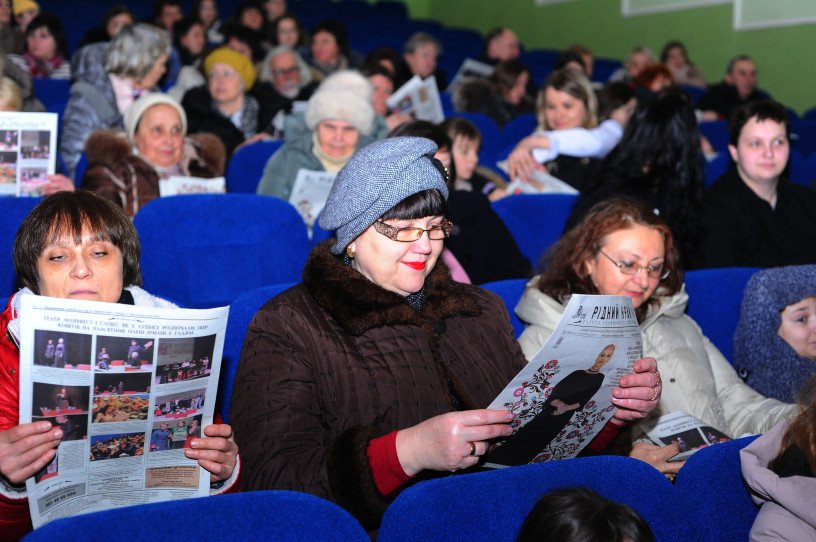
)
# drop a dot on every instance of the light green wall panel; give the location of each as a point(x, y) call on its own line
point(787, 67)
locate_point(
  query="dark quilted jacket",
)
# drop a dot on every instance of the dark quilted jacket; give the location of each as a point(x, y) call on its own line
point(336, 361)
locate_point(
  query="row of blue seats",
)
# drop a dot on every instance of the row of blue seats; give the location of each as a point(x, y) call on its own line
point(708, 502)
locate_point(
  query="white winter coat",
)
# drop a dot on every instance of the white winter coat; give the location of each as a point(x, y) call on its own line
point(697, 379)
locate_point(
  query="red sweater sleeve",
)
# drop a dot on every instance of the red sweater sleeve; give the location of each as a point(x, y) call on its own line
point(605, 436)
point(385, 466)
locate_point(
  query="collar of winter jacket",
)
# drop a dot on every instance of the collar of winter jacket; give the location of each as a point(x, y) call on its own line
point(358, 304)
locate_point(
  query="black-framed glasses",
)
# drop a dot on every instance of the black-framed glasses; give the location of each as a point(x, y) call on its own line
point(658, 271)
point(411, 234)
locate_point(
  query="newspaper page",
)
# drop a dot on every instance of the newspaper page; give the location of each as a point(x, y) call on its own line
point(562, 398)
point(176, 185)
point(28, 152)
point(130, 387)
point(419, 98)
point(310, 192)
point(469, 69)
point(689, 433)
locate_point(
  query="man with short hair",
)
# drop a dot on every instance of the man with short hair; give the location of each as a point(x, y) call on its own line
point(739, 86)
point(283, 81)
point(753, 216)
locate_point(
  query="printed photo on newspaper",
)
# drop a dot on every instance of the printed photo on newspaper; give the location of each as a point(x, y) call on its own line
point(28, 152)
point(420, 98)
point(689, 433)
point(310, 192)
point(130, 387)
point(562, 398)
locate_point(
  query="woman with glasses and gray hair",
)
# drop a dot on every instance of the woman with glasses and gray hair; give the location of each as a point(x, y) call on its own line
point(108, 77)
point(622, 247)
point(374, 371)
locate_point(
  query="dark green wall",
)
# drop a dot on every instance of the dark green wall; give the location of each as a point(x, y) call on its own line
point(784, 56)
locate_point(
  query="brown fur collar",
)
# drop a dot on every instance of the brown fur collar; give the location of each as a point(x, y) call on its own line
point(358, 304)
point(204, 152)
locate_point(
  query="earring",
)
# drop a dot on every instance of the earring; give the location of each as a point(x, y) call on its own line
point(350, 252)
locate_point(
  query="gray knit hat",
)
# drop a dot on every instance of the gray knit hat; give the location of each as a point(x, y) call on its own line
point(374, 180)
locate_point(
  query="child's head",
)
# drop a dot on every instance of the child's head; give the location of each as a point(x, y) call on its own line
point(467, 142)
point(577, 514)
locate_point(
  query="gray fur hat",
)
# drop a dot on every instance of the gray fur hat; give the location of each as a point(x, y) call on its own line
point(374, 180)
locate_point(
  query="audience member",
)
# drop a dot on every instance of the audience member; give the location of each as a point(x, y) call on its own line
point(389, 59)
point(66, 232)
point(287, 30)
point(755, 217)
point(46, 50)
point(466, 145)
point(622, 247)
point(586, 55)
point(126, 168)
point(11, 37)
point(578, 514)
point(652, 80)
point(284, 78)
point(739, 87)
point(501, 44)
point(242, 39)
point(251, 14)
point(207, 13)
point(189, 41)
point(382, 85)
point(639, 59)
point(338, 121)
point(226, 105)
point(106, 79)
point(115, 18)
point(775, 339)
point(274, 8)
point(378, 283)
point(420, 53)
point(675, 56)
point(658, 162)
point(779, 469)
point(329, 50)
point(24, 12)
point(167, 13)
point(502, 97)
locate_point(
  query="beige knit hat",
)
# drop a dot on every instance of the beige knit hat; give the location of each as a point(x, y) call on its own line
point(134, 113)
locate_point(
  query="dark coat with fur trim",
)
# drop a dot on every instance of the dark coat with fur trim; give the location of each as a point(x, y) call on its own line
point(125, 178)
point(336, 361)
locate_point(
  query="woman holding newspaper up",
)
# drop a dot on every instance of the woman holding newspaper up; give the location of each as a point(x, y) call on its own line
point(75, 245)
point(375, 370)
point(623, 248)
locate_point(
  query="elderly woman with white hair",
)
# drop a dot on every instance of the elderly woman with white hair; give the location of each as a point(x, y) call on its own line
point(107, 79)
point(126, 167)
point(339, 119)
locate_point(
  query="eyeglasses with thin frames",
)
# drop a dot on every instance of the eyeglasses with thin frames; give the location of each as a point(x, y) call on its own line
point(411, 234)
point(631, 268)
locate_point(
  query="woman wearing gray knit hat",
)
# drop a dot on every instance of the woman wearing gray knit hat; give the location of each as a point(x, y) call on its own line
point(126, 168)
point(775, 339)
point(374, 371)
point(339, 119)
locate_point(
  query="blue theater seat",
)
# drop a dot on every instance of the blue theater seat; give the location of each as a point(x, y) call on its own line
point(12, 210)
point(510, 291)
point(206, 250)
point(246, 166)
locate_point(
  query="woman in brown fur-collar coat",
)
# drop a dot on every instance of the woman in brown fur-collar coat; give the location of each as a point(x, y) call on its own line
point(375, 371)
point(126, 167)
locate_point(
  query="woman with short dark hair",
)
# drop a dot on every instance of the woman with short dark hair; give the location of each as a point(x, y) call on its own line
point(46, 49)
point(75, 245)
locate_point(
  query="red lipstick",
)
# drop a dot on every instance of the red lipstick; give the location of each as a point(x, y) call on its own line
point(418, 266)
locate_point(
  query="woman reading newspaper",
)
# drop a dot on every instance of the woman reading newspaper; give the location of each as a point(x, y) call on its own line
point(374, 371)
point(623, 248)
point(75, 245)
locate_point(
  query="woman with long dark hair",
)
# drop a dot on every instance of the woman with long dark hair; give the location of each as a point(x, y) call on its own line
point(658, 162)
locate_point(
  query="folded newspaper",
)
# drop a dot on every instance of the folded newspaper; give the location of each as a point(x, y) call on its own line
point(420, 98)
point(689, 433)
point(562, 398)
point(130, 387)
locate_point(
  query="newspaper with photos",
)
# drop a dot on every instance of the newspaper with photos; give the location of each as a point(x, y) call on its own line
point(310, 192)
point(419, 98)
point(689, 433)
point(562, 398)
point(541, 182)
point(470, 69)
point(130, 387)
point(28, 152)
point(177, 185)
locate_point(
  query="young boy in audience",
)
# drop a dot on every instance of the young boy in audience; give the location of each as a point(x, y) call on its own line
point(467, 142)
